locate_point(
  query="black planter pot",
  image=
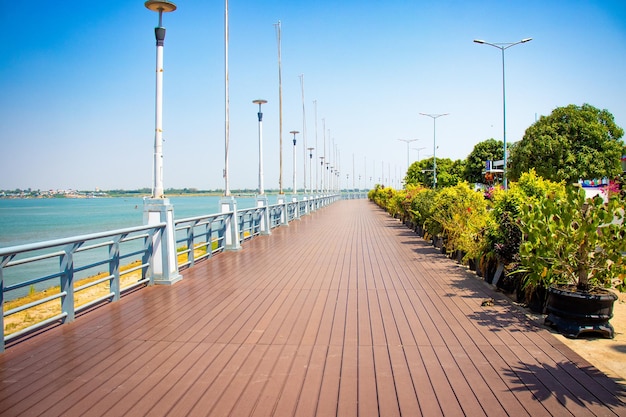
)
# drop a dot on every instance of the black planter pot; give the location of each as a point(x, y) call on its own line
point(489, 270)
point(472, 263)
point(574, 313)
point(535, 299)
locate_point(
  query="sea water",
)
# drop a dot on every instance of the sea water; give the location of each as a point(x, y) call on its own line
point(24, 221)
point(39, 219)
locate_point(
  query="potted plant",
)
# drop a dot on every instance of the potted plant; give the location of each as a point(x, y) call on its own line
point(575, 246)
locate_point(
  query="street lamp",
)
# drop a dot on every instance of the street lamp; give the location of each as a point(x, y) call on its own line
point(323, 175)
point(407, 150)
point(158, 209)
point(310, 167)
point(502, 47)
point(260, 114)
point(159, 33)
point(418, 152)
point(294, 133)
point(434, 117)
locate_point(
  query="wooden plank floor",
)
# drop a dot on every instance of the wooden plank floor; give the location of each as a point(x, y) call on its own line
point(343, 313)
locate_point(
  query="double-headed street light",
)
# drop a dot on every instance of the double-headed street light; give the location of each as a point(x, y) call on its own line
point(502, 47)
point(294, 133)
point(434, 117)
point(418, 152)
point(407, 141)
point(260, 114)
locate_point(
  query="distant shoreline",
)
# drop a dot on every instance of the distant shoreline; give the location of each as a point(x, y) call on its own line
point(119, 195)
point(125, 194)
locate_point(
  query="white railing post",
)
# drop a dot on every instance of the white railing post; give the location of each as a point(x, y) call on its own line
point(67, 281)
point(284, 220)
point(296, 212)
point(165, 269)
point(265, 227)
point(231, 233)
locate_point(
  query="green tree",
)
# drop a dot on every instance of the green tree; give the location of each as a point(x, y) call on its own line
point(571, 143)
point(488, 150)
point(449, 172)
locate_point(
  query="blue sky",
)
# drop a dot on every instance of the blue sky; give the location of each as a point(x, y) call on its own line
point(78, 84)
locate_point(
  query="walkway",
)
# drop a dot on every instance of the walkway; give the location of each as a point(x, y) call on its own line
point(343, 313)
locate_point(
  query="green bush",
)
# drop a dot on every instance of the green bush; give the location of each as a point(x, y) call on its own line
point(569, 239)
point(459, 214)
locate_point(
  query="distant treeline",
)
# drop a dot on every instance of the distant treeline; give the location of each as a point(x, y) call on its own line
point(140, 192)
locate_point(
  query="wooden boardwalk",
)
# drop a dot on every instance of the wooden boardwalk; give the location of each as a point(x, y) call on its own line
point(343, 313)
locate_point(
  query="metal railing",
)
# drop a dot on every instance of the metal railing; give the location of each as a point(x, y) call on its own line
point(109, 264)
point(276, 215)
point(249, 221)
point(74, 265)
point(202, 237)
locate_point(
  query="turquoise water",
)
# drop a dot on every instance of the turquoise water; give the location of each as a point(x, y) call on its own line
point(24, 221)
point(37, 220)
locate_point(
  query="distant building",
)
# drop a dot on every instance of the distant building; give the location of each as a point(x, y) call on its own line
point(494, 171)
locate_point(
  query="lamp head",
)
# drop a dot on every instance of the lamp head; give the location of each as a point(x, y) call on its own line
point(160, 6)
point(479, 41)
point(526, 40)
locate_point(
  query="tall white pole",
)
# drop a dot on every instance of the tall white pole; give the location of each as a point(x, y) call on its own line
point(365, 174)
point(310, 149)
point(317, 189)
point(158, 208)
point(295, 188)
point(324, 181)
point(159, 32)
point(280, 109)
point(158, 137)
point(260, 115)
point(303, 133)
point(226, 102)
point(408, 141)
point(434, 117)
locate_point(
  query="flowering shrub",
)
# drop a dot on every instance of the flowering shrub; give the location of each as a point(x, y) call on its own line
point(459, 213)
point(572, 239)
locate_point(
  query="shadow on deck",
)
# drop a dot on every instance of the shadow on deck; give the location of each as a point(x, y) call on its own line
point(342, 313)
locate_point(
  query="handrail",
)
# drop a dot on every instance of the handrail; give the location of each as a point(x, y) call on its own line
point(73, 258)
point(68, 240)
point(100, 256)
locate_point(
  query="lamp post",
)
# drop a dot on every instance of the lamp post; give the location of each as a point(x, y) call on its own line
point(159, 33)
point(502, 47)
point(322, 169)
point(434, 117)
point(418, 152)
point(317, 182)
point(310, 169)
point(294, 133)
point(226, 102)
point(280, 109)
point(260, 114)
point(158, 209)
point(407, 141)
